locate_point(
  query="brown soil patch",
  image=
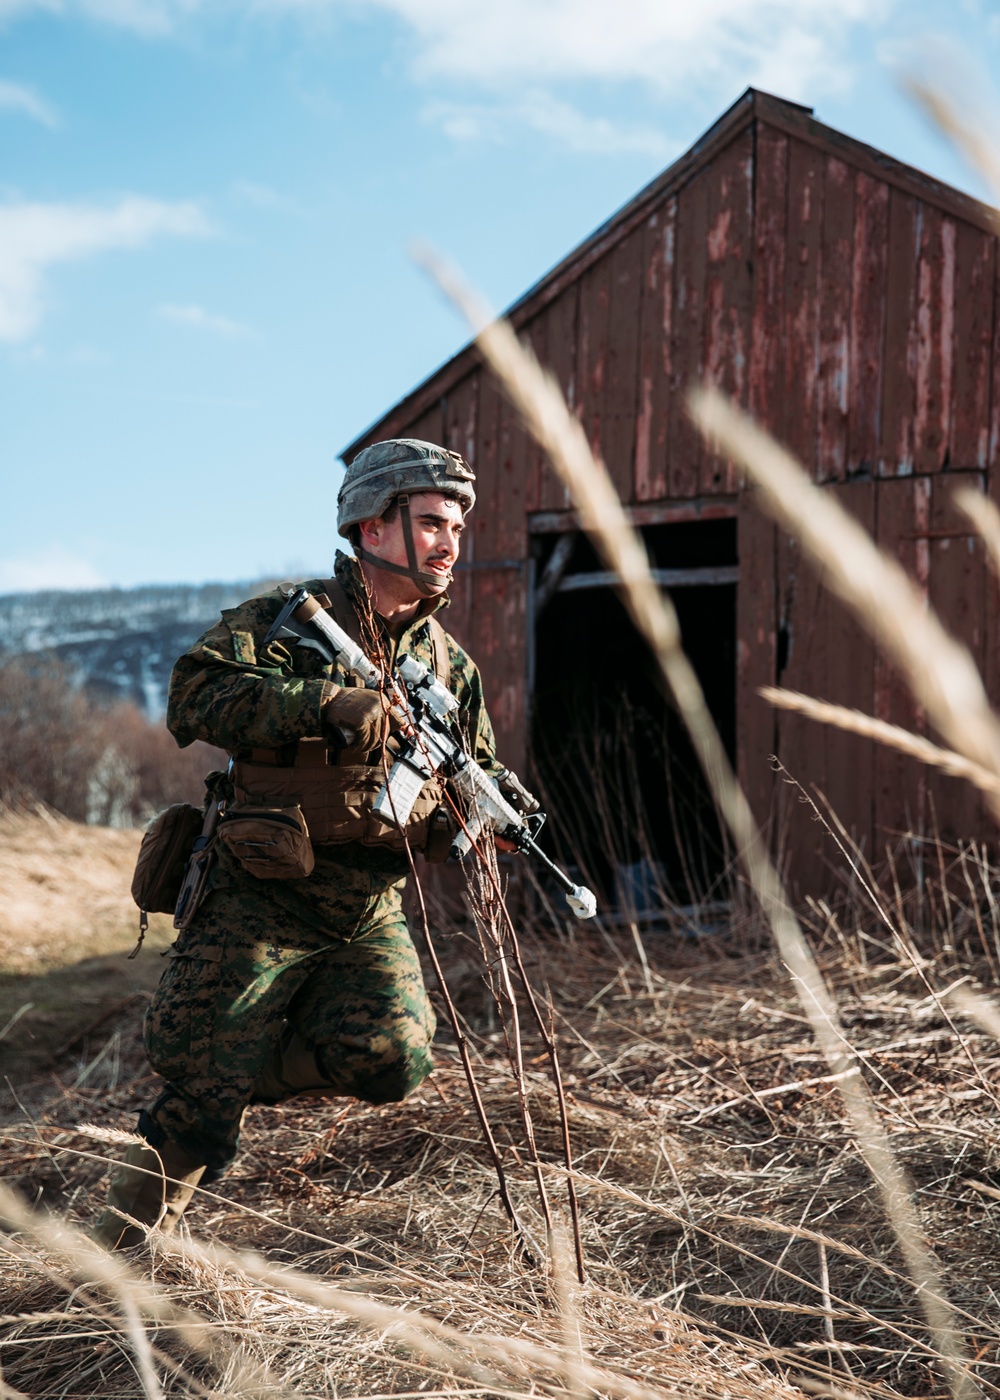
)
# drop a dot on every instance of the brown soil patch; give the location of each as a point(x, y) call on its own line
point(67, 925)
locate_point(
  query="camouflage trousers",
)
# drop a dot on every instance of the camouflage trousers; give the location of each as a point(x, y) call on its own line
point(258, 1005)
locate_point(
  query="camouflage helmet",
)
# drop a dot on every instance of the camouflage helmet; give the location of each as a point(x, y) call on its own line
point(397, 467)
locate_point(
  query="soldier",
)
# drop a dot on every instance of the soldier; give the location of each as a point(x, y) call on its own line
point(311, 984)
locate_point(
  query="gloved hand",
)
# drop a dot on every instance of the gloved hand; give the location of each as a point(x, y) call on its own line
point(356, 718)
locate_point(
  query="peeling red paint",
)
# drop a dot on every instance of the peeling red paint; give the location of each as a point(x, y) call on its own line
point(718, 234)
point(858, 317)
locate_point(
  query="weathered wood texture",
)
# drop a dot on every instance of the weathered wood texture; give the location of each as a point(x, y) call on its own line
point(902, 527)
point(756, 649)
point(803, 657)
point(957, 592)
point(852, 307)
point(850, 681)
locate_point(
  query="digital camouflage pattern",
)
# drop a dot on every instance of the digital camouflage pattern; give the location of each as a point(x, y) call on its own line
point(326, 960)
point(349, 988)
point(232, 692)
point(385, 470)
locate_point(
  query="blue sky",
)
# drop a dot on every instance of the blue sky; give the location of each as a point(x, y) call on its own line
point(206, 207)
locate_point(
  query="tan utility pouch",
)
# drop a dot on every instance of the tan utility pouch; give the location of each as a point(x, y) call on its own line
point(337, 801)
point(269, 842)
point(164, 852)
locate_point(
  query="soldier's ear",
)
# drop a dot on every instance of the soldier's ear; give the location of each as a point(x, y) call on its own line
point(371, 531)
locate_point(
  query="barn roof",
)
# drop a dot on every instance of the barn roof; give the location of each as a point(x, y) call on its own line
point(754, 106)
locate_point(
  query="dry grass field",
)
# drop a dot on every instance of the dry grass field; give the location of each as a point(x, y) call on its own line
point(735, 1245)
point(66, 924)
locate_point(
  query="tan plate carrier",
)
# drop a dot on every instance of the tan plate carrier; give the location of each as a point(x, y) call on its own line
point(337, 799)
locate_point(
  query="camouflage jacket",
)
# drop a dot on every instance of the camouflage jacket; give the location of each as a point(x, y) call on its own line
point(232, 692)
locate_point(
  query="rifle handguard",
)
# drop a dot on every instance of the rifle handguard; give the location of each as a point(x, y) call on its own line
point(430, 746)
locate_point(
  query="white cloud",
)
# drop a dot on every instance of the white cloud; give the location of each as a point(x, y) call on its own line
point(54, 566)
point(16, 97)
point(797, 44)
point(798, 48)
point(34, 237)
point(542, 112)
point(203, 320)
point(147, 17)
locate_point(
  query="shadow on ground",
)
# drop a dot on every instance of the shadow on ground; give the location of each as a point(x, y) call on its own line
point(46, 1015)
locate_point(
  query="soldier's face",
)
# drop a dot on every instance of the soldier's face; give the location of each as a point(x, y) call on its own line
point(437, 524)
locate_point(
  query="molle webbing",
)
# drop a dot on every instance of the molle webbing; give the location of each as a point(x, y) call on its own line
point(345, 614)
point(337, 799)
point(336, 802)
point(439, 650)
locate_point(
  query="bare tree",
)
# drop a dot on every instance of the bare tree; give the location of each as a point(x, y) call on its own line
point(105, 765)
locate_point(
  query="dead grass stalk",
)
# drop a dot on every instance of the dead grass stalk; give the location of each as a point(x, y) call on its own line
point(539, 399)
point(891, 735)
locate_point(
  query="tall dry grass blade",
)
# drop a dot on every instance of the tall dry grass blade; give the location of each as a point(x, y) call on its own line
point(93, 1264)
point(965, 135)
point(984, 517)
point(540, 402)
point(891, 735)
point(571, 1324)
point(885, 600)
point(980, 1009)
point(485, 1357)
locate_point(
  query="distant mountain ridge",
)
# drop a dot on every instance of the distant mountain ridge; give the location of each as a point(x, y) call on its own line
point(118, 642)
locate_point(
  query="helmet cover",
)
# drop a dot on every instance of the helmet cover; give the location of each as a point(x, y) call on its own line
point(400, 466)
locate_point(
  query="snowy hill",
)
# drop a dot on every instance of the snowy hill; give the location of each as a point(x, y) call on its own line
point(119, 642)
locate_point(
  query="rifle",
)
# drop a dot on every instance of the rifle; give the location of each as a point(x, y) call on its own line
point(428, 744)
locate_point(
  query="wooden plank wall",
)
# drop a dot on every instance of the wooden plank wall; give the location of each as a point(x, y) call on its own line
point(874, 360)
point(670, 300)
point(860, 324)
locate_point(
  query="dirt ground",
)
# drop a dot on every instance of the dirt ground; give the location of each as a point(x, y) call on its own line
point(66, 923)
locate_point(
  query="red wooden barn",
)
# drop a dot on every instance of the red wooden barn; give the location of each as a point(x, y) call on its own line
point(848, 301)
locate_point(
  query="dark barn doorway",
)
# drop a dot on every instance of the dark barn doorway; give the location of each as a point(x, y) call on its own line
point(628, 805)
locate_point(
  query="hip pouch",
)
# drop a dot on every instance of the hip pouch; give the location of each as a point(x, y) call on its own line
point(269, 842)
point(159, 870)
point(336, 801)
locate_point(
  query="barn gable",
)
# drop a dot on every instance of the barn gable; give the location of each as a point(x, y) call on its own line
point(849, 302)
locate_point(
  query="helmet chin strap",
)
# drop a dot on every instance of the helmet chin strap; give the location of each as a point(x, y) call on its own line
point(429, 584)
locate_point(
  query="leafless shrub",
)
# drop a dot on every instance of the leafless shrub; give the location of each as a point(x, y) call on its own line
point(110, 766)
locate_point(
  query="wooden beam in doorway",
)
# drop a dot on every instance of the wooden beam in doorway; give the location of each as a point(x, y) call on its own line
point(664, 578)
point(557, 522)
